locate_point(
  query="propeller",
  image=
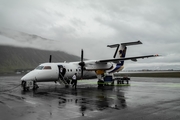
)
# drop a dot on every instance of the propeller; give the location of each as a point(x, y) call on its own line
point(50, 57)
point(82, 63)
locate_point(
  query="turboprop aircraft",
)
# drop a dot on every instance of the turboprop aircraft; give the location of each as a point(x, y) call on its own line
point(63, 72)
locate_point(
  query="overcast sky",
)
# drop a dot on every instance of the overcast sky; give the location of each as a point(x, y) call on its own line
point(72, 25)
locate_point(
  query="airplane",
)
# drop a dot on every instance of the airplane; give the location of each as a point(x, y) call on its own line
point(63, 72)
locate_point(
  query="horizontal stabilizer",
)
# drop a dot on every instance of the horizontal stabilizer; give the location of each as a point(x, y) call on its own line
point(113, 46)
point(131, 43)
point(125, 44)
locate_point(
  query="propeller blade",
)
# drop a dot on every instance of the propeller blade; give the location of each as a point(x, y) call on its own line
point(82, 64)
point(82, 72)
point(50, 57)
point(82, 55)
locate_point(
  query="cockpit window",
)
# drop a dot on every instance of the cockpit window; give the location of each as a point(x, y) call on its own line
point(47, 67)
point(39, 68)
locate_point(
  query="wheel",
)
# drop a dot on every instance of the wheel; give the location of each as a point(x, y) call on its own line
point(122, 81)
point(127, 81)
point(112, 83)
point(23, 84)
point(35, 86)
point(100, 83)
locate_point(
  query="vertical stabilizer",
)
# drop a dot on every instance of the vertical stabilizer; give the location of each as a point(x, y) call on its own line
point(122, 48)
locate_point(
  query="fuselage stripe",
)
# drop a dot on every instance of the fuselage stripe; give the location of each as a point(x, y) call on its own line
point(117, 67)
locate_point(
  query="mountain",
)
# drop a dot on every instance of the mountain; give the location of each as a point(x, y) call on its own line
point(14, 59)
point(17, 38)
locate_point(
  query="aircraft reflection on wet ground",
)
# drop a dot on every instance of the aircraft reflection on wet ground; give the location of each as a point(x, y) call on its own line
point(87, 99)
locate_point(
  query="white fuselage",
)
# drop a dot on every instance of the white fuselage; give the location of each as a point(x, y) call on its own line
point(40, 74)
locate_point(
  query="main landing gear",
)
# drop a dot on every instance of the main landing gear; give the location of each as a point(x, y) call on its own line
point(106, 80)
point(24, 86)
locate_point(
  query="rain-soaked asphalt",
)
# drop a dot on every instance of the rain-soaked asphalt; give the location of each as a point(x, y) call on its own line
point(143, 99)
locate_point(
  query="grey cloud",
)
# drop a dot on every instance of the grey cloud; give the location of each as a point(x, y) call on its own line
point(78, 22)
point(92, 25)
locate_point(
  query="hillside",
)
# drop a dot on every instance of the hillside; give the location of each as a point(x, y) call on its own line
point(13, 59)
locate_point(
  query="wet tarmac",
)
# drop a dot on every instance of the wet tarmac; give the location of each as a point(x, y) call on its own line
point(143, 99)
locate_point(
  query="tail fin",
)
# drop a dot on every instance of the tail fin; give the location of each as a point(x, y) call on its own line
point(121, 48)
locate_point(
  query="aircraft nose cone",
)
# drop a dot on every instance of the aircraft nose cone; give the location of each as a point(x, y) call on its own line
point(29, 76)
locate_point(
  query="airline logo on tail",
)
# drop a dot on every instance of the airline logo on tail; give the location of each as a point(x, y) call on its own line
point(122, 53)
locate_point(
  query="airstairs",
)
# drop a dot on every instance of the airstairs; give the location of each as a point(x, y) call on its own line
point(62, 81)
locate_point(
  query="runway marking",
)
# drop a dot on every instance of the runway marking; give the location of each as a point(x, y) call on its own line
point(174, 85)
point(31, 102)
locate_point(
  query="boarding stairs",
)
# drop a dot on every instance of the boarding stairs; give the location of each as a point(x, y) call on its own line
point(62, 80)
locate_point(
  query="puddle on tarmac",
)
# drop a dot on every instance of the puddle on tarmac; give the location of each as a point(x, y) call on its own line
point(84, 99)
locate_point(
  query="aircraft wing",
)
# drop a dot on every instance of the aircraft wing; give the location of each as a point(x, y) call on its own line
point(105, 64)
point(128, 58)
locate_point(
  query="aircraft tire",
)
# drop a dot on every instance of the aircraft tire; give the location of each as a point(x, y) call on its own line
point(23, 84)
point(112, 84)
point(35, 86)
point(100, 83)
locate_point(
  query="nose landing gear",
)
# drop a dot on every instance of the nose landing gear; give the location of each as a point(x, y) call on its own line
point(26, 85)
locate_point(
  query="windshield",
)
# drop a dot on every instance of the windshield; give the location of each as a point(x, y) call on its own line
point(43, 68)
point(39, 68)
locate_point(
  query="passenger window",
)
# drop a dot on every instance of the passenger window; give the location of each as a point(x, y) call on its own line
point(71, 70)
point(47, 67)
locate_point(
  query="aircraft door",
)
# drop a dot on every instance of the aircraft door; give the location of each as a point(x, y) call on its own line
point(62, 71)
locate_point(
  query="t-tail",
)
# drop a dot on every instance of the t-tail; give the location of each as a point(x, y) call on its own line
point(121, 50)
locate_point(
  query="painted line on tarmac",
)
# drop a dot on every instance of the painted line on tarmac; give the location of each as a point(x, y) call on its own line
point(31, 102)
point(172, 85)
